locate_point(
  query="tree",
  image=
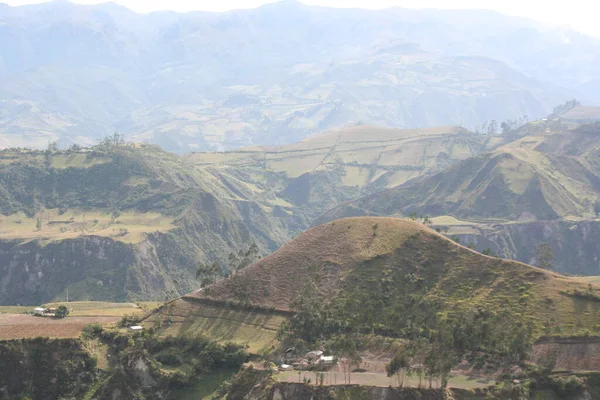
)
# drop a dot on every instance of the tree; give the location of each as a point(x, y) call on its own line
point(309, 322)
point(488, 252)
point(243, 258)
point(399, 366)
point(52, 147)
point(492, 127)
point(61, 312)
point(346, 350)
point(208, 273)
point(544, 256)
point(38, 224)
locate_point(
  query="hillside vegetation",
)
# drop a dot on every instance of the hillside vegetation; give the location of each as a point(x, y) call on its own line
point(307, 178)
point(117, 222)
point(549, 174)
point(397, 276)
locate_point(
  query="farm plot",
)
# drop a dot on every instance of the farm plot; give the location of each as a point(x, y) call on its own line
point(19, 326)
point(100, 308)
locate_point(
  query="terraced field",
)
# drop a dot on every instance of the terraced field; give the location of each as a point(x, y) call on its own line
point(128, 227)
point(16, 322)
point(190, 317)
point(365, 154)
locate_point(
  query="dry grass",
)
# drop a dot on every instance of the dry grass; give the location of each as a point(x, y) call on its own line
point(328, 249)
point(333, 378)
point(26, 326)
point(364, 152)
point(129, 227)
point(582, 113)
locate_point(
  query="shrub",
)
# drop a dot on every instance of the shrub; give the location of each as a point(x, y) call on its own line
point(567, 386)
point(172, 357)
point(92, 330)
point(128, 320)
point(61, 312)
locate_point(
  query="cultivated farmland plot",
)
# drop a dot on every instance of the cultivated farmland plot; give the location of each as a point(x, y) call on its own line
point(18, 326)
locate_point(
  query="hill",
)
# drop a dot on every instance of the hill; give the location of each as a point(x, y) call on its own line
point(335, 166)
point(582, 114)
point(174, 79)
point(543, 176)
point(394, 276)
point(117, 222)
point(542, 187)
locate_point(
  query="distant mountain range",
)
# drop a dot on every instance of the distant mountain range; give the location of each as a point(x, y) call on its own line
point(275, 74)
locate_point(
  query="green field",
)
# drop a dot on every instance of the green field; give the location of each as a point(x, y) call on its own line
point(186, 317)
point(15, 309)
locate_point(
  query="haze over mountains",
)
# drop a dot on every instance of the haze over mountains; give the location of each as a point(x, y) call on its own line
point(276, 74)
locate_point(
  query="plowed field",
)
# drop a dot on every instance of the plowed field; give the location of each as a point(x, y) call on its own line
point(19, 326)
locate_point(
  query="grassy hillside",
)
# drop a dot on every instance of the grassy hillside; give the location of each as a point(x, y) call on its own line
point(307, 178)
point(582, 114)
point(117, 222)
point(395, 276)
point(542, 187)
point(549, 174)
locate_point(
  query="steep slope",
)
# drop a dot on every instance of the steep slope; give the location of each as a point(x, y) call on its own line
point(395, 275)
point(116, 222)
point(546, 175)
point(176, 79)
point(543, 187)
point(329, 168)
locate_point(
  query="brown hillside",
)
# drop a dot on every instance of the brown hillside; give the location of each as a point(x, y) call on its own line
point(330, 249)
point(358, 255)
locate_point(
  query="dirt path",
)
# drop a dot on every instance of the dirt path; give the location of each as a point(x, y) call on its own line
point(380, 380)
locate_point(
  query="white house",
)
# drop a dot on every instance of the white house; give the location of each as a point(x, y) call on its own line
point(136, 328)
point(315, 354)
point(326, 360)
point(39, 311)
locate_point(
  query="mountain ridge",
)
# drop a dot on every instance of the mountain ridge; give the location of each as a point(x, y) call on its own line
point(164, 81)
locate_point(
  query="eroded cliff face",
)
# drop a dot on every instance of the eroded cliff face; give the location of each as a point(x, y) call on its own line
point(575, 244)
point(92, 268)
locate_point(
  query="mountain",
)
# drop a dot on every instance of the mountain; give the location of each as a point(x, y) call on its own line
point(546, 175)
point(390, 276)
point(335, 166)
point(542, 187)
point(116, 222)
point(273, 75)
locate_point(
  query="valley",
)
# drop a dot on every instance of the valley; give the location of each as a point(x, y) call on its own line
point(275, 74)
point(297, 202)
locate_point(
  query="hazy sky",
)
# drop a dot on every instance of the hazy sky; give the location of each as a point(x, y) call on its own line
point(579, 14)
